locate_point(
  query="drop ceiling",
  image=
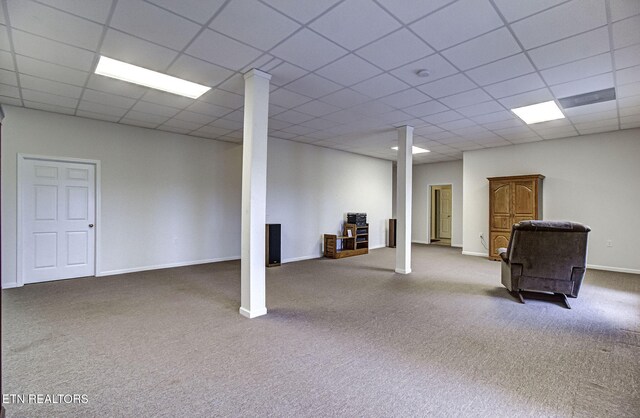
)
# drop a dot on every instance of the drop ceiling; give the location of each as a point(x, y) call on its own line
point(343, 71)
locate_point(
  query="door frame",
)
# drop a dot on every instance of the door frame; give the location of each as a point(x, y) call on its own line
point(98, 224)
point(430, 208)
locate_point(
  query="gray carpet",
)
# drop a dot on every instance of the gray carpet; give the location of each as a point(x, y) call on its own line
point(342, 338)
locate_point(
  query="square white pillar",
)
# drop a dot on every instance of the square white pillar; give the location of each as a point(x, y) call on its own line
point(403, 199)
point(254, 194)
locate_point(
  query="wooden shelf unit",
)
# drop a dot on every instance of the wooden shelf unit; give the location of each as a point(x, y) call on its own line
point(355, 241)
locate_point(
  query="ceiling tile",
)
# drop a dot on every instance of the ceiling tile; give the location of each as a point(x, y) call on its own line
point(194, 117)
point(405, 98)
point(198, 10)
point(268, 27)
point(627, 57)
point(10, 78)
point(98, 11)
point(355, 23)
point(395, 50)
point(447, 86)
point(293, 116)
point(153, 120)
point(628, 75)
point(209, 109)
point(408, 11)
point(107, 99)
point(437, 66)
point(223, 98)
point(493, 117)
point(626, 32)
point(301, 11)
point(317, 108)
point(54, 108)
point(155, 109)
point(480, 109)
point(512, 122)
point(466, 98)
point(577, 47)
point(345, 98)
point(501, 70)
point(221, 50)
point(51, 99)
point(593, 117)
point(373, 108)
point(515, 85)
point(111, 85)
point(349, 70)
point(585, 85)
point(456, 124)
point(560, 22)
point(578, 69)
point(54, 24)
point(6, 61)
point(590, 109)
point(528, 98)
point(51, 71)
point(127, 48)
point(97, 116)
point(48, 86)
point(152, 23)
point(99, 108)
point(4, 39)
point(166, 128)
point(459, 22)
point(628, 90)
point(318, 124)
point(198, 71)
point(379, 86)
point(224, 123)
point(425, 109)
point(517, 9)
point(313, 86)
point(308, 50)
point(287, 99)
point(442, 117)
point(52, 51)
point(285, 73)
point(9, 91)
point(621, 9)
point(183, 124)
point(483, 49)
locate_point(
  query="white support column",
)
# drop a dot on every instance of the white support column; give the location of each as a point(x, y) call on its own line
point(254, 194)
point(403, 196)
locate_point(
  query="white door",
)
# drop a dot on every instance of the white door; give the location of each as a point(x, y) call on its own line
point(445, 213)
point(58, 216)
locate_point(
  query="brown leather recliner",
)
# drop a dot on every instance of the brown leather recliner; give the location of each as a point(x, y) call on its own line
point(545, 256)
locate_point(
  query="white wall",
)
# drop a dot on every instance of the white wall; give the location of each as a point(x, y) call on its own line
point(425, 175)
point(310, 189)
point(591, 179)
point(167, 199)
point(170, 199)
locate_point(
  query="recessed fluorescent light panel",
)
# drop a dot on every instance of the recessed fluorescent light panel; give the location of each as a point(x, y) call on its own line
point(133, 74)
point(541, 112)
point(415, 150)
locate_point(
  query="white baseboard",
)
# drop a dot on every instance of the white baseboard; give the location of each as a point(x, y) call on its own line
point(420, 242)
point(616, 269)
point(456, 245)
point(475, 254)
point(378, 246)
point(166, 266)
point(402, 271)
point(303, 258)
point(10, 285)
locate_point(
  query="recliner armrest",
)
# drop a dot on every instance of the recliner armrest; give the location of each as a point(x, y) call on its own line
point(502, 252)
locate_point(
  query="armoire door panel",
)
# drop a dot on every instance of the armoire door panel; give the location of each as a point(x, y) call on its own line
point(501, 222)
point(499, 240)
point(524, 199)
point(501, 199)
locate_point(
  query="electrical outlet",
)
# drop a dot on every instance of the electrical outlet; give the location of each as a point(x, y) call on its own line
point(481, 235)
point(609, 243)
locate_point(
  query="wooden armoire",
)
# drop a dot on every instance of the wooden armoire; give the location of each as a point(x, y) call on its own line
point(511, 200)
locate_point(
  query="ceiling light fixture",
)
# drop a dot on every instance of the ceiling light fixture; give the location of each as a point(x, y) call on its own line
point(541, 112)
point(423, 72)
point(133, 74)
point(415, 150)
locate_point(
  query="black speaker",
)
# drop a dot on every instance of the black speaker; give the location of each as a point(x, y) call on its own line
point(393, 227)
point(273, 257)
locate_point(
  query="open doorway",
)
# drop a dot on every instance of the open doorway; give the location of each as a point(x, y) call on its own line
point(440, 222)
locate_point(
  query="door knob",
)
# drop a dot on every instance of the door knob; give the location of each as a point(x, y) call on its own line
point(90, 225)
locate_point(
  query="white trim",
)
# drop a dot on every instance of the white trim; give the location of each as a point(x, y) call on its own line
point(252, 314)
point(303, 258)
point(377, 247)
point(420, 242)
point(167, 266)
point(475, 254)
point(97, 261)
point(616, 269)
point(456, 245)
point(11, 285)
point(402, 271)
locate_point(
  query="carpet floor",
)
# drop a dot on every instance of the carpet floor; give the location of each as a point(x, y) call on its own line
point(343, 338)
